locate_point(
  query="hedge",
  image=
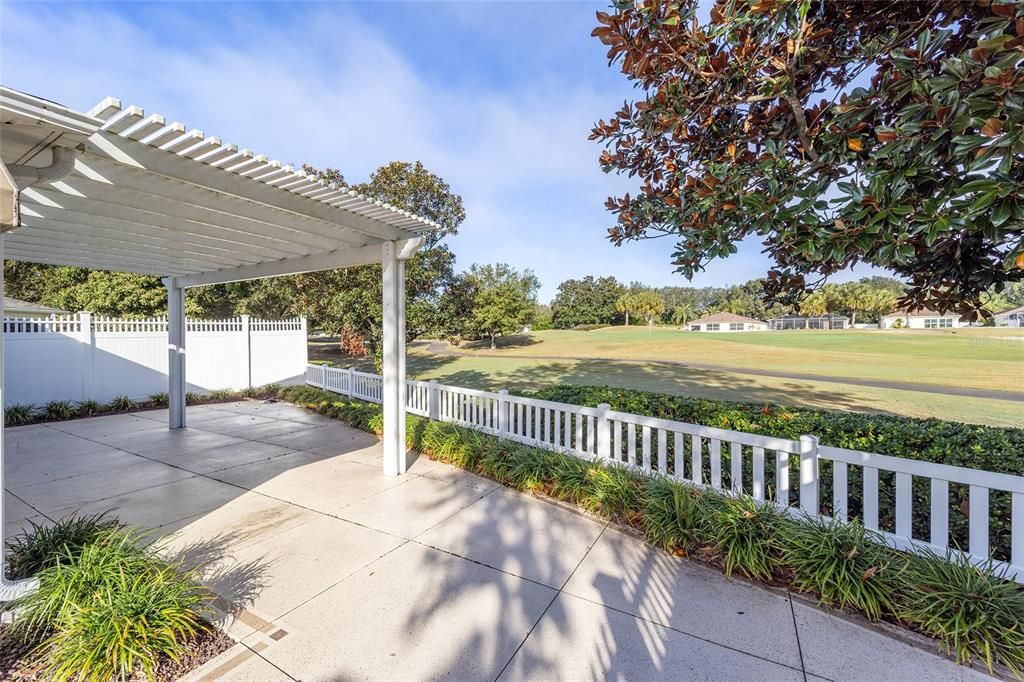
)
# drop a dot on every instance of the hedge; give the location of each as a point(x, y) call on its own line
point(932, 440)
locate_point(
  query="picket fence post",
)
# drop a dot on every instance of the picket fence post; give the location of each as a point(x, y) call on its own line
point(351, 382)
point(433, 401)
point(604, 435)
point(503, 412)
point(809, 475)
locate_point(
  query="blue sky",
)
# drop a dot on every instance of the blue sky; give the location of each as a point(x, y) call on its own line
point(497, 98)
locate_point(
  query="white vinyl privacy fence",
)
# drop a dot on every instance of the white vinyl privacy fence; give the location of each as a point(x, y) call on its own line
point(914, 504)
point(78, 357)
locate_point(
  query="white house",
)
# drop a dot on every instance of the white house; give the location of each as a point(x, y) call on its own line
point(1014, 317)
point(920, 318)
point(728, 322)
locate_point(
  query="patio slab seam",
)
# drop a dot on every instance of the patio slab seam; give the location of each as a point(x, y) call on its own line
point(553, 598)
point(404, 542)
point(796, 629)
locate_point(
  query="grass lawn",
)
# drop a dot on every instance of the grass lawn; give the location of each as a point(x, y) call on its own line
point(983, 358)
point(512, 372)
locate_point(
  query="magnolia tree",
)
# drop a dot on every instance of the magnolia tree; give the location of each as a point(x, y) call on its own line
point(838, 132)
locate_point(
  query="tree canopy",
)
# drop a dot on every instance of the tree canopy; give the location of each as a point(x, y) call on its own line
point(504, 300)
point(837, 132)
point(590, 300)
point(646, 303)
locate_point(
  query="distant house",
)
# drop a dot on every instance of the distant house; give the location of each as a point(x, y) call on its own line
point(1014, 317)
point(727, 322)
point(23, 309)
point(830, 321)
point(920, 318)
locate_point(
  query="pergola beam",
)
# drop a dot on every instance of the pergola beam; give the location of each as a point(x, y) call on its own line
point(48, 236)
point(62, 222)
point(65, 192)
point(363, 255)
point(131, 221)
point(105, 171)
point(100, 260)
point(206, 178)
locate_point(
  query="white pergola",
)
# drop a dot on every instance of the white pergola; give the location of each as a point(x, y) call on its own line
point(116, 189)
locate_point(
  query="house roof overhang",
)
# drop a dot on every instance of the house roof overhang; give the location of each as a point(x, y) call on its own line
point(152, 197)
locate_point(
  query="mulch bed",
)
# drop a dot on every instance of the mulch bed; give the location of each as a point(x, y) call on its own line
point(19, 663)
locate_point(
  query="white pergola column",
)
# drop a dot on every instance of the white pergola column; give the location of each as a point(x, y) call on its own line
point(9, 589)
point(175, 353)
point(394, 360)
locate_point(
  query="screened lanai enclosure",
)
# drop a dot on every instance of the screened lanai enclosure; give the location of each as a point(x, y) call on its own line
point(117, 188)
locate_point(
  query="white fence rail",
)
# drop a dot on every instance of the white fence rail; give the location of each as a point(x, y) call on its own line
point(78, 357)
point(789, 473)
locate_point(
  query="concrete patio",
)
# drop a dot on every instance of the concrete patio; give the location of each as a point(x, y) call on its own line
point(327, 570)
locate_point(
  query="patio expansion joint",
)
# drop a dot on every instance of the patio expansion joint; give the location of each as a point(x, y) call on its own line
point(8, 491)
point(796, 631)
point(558, 592)
point(404, 541)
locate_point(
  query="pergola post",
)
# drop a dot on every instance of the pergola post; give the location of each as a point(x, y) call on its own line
point(393, 273)
point(175, 353)
point(9, 589)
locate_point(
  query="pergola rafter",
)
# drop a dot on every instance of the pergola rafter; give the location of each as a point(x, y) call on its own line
point(114, 188)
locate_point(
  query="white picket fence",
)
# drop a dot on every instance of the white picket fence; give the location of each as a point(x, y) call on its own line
point(78, 357)
point(688, 452)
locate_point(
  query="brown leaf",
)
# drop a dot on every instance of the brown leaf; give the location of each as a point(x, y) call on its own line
point(992, 127)
point(885, 135)
point(1019, 261)
point(852, 554)
point(854, 144)
point(869, 573)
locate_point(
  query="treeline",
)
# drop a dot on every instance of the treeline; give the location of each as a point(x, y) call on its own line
point(485, 301)
point(594, 301)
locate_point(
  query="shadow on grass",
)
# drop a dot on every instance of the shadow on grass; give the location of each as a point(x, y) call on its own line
point(648, 377)
point(501, 343)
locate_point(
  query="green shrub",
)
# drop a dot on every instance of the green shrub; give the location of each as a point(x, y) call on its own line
point(42, 546)
point(59, 410)
point(975, 612)
point(18, 413)
point(191, 398)
point(745, 535)
point(123, 403)
point(674, 514)
point(159, 399)
point(221, 394)
point(932, 440)
point(112, 609)
point(847, 565)
point(89, 408)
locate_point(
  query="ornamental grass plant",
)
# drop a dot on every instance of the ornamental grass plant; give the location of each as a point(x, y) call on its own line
point(845, 564)
point(110, 609)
